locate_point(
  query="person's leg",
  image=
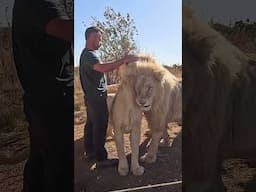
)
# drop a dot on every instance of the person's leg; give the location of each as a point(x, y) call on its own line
point(59, 147)
point(33, 171)
point(59, 161)
point(88, 137)
point(99, 117)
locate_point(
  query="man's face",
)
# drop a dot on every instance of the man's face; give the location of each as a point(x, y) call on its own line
point(96, 39)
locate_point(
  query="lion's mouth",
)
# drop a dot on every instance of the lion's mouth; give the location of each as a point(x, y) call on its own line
point(146, 107)
point(143, 107)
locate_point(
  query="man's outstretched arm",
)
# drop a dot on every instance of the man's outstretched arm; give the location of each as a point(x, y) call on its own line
point(107, 67)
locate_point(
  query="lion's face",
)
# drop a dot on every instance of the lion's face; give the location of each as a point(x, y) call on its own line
point(145, 91)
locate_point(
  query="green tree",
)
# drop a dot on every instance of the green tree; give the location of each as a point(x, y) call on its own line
point(118, 38)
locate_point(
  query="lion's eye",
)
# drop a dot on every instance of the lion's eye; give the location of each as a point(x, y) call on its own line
point(150, 89)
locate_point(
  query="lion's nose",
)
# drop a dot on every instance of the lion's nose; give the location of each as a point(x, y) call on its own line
point(142, 103)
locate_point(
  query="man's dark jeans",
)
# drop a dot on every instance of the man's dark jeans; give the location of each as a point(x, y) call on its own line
point(96, 127)
point(50, 167)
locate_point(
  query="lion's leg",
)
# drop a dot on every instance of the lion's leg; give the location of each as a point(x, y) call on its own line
point(135, 142)
point(157, 127)
point(123, 167)
point(150, 156)
point(204, 175)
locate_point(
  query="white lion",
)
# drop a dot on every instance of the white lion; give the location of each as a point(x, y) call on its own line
point(145, 87)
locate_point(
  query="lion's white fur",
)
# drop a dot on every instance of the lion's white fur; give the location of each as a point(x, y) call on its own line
point(218, 105)
point(168, 100)
point(197, 31)
point(165, 106)
point(126, 117)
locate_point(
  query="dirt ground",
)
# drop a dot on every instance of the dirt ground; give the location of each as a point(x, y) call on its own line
point(166, 169)
point(238, 175)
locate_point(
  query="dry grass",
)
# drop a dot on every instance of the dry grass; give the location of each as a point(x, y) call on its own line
point(13, 126)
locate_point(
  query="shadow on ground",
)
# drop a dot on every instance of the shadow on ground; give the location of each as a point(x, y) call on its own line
point(166, 169)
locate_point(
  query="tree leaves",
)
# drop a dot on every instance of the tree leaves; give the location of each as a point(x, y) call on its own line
point(119, 34)
point(118, 38)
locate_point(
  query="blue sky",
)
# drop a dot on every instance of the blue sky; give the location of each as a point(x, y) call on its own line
point(158, 24)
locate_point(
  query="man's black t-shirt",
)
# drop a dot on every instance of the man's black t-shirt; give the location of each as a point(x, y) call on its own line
point(94, 83)
point(44, 63)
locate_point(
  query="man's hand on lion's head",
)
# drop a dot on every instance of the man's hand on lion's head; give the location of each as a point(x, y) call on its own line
point(130, 59)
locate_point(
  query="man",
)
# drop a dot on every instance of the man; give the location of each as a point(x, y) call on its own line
point(42, 36)
point(94, 85)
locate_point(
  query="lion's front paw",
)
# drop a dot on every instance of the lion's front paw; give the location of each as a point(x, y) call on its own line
point(148, 158)
point(123, 170)
point(138, 171)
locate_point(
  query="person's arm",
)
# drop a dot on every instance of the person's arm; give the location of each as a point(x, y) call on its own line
point(49, 16)
point(61, 28)
point(107, 67)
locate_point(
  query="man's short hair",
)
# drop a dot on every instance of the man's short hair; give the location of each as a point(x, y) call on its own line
point(92, 29)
